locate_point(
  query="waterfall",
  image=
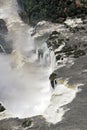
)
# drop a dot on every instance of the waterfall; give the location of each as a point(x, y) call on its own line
point(24, 85)
point(25, 88)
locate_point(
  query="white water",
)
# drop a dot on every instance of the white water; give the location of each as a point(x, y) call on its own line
point(24, 92)
point(24, 81)
point(61, 96)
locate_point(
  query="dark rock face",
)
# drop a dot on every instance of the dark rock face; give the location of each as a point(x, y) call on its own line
point(2, 108)
point(69, 49)
point(23, 15)
point(52, 78)
point(3, 27)
point(27, 123)
point(73, 46)
point(5, 46)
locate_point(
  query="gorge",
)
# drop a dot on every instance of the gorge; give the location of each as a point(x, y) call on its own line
point(30, 58)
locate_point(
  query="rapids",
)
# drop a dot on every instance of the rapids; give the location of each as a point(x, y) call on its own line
point(25, 88)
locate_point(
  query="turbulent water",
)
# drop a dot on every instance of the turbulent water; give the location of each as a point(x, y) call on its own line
point(25, 88)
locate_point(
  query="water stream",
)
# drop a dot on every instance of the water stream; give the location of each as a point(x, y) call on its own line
point(25, 88)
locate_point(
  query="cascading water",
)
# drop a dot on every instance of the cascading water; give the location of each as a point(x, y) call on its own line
point(24, 82)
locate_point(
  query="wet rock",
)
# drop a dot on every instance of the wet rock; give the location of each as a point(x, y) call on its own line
point(76, 29)
point(58, 57)
point(3, 27)
point(55, 32)
point(74, 46)
point(79, 53)
point(2, 43)
point(40, 53)
point(23, 16)
point(2, 108)
point(55, 40)
point(27, 123)
point(5, 46)
point(60, 20)
point(33, 123)
point(85, 21)
point(52, 78)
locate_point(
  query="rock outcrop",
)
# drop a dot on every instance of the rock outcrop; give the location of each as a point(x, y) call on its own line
point(3, 27)
point(2, 108)
point(5, 46)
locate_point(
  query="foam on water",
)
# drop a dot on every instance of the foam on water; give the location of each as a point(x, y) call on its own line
point(26, 91)
point(60, 97)
point(24, 75)
point(24, 83)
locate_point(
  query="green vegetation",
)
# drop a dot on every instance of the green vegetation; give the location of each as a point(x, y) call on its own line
point(51, 10)
point(84, 1)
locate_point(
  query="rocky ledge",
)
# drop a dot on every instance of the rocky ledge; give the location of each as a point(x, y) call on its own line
point(68, 41)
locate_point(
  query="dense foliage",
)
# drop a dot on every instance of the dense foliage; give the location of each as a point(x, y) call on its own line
point(53, 10)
